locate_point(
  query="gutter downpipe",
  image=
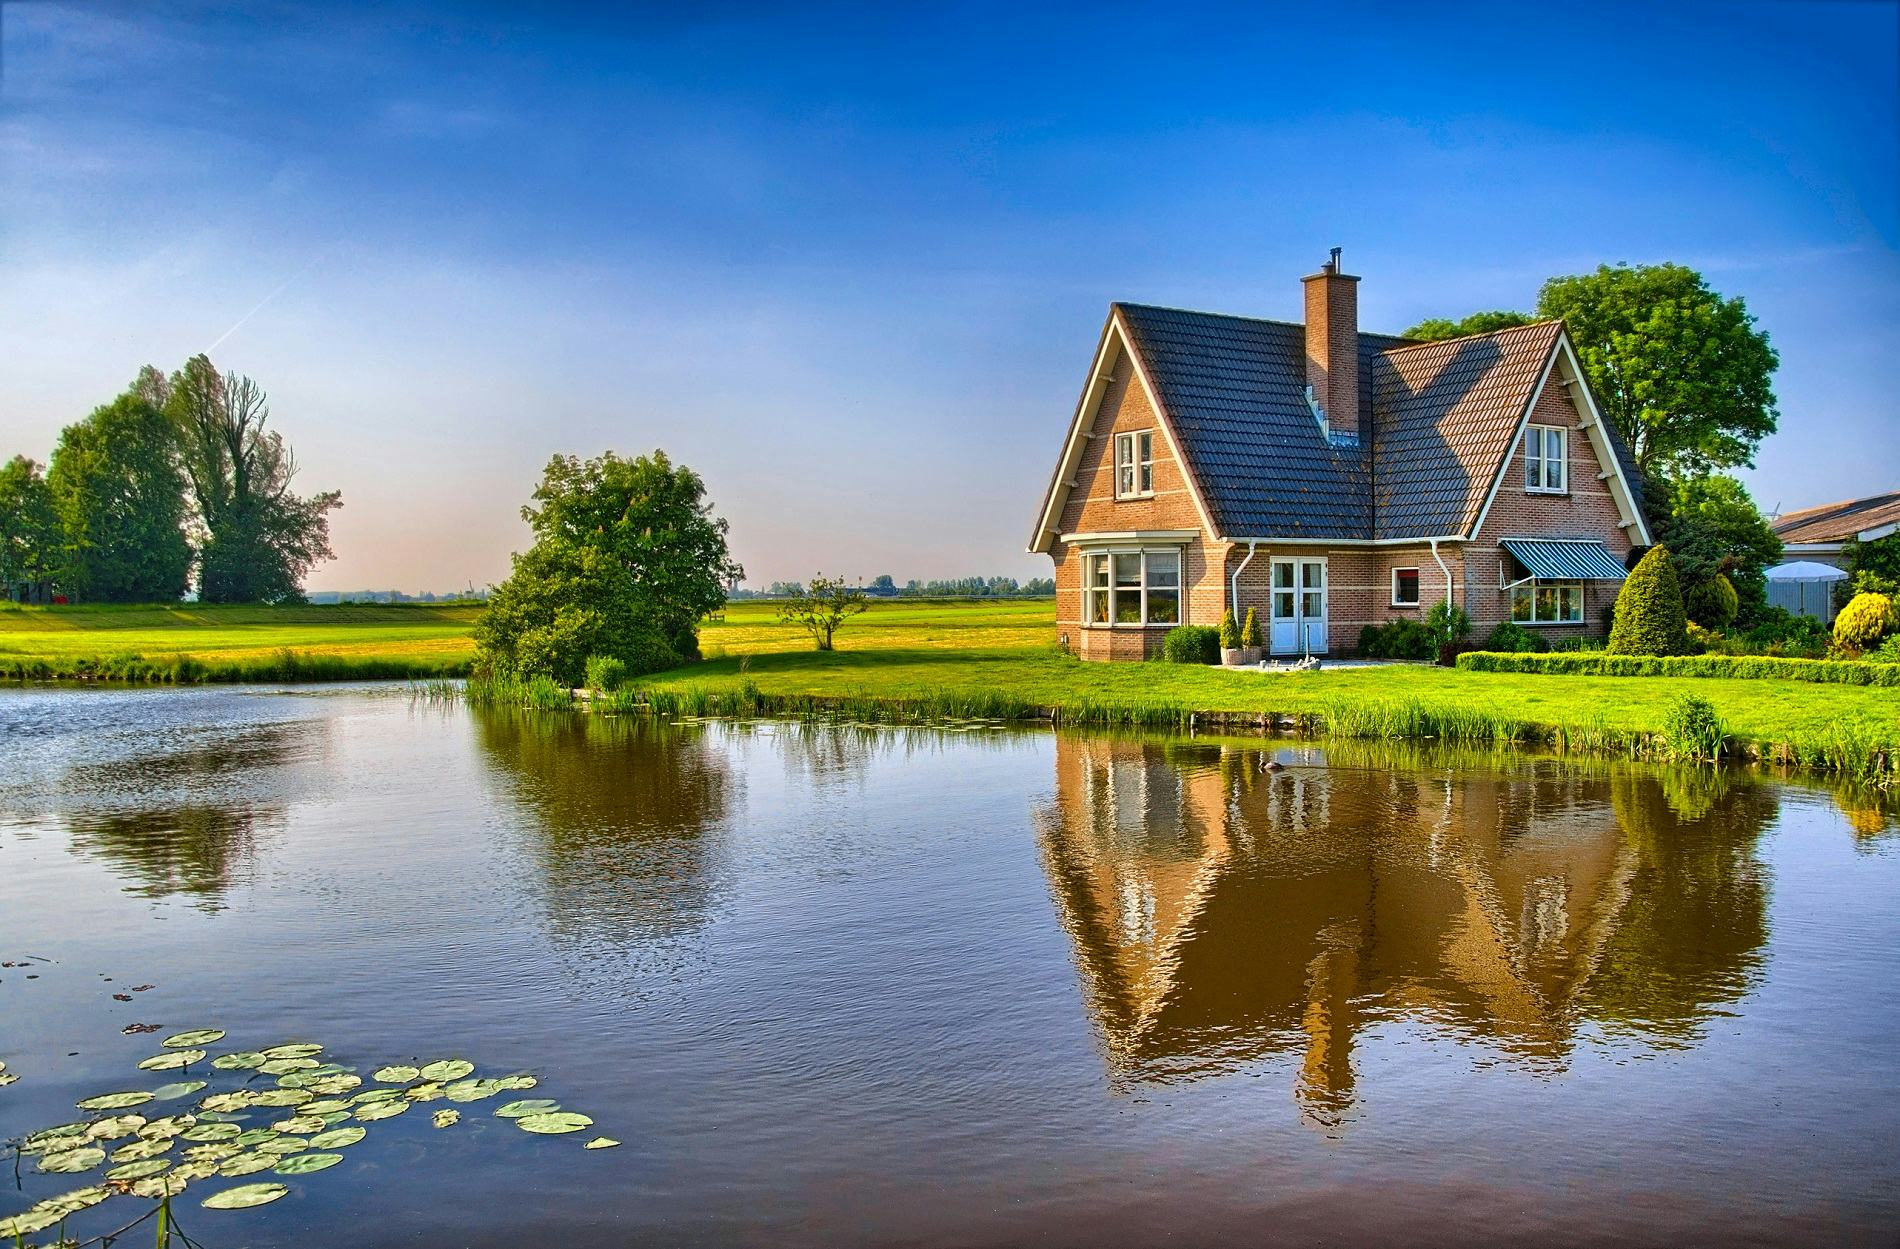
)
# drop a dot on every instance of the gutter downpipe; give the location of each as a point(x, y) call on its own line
point(1442, 567)
point(1235, 580)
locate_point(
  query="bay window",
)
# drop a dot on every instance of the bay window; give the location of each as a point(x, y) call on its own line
point(1135, 464)
point(1547, 602)
point(1544, 460)
point(1131, 588)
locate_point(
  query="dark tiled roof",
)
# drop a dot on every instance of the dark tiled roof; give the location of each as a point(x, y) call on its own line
point(1837, 522)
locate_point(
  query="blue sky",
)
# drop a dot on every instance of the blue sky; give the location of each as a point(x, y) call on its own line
point(849, 262)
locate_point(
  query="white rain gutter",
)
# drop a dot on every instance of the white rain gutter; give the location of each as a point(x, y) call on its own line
point(1442, 567)
point(1235, 582)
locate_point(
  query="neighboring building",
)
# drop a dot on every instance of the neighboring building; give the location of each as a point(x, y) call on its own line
point(1331, 480)
point(1817, 534)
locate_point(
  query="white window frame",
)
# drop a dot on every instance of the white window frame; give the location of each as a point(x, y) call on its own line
point(1539, 464)
point(1526, 591)
point(1138, 468)
point(1090, 587)
point(1399, 602)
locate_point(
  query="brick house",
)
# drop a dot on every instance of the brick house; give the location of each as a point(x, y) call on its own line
point(1331, 479)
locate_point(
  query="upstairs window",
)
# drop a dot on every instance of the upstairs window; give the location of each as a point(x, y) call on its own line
point(1544, 464)
point(1405, 587)
point(1135, 464)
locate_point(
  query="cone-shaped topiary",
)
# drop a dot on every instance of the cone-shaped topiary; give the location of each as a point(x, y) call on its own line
point(1250, 630)
point(1713, 603)
point(1229, 632)
point(1649, 615)
point(1863, 622)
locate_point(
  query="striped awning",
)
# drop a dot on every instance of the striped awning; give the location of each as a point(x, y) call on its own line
point(1565, 559)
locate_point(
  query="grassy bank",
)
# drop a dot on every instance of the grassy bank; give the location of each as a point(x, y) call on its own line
point(187, 643)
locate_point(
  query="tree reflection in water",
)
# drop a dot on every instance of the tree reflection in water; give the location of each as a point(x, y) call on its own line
point(1222, 913)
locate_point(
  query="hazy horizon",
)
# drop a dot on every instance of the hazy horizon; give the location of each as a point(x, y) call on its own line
point(849, 263)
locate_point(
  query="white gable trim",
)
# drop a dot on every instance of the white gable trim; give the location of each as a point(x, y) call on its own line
point(1592, 427)
point(1081, 429)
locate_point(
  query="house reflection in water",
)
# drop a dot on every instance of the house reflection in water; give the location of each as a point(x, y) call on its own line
point(1222, 913)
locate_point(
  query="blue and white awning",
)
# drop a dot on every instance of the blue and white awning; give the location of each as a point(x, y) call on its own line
point(1565, 559)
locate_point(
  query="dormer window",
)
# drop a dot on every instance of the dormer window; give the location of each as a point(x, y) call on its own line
point(1135, 464)
point(1544, 463)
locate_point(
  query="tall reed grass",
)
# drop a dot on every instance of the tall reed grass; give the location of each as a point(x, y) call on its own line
point(281, 666)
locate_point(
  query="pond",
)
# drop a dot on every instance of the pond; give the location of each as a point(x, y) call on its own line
point(833, 985)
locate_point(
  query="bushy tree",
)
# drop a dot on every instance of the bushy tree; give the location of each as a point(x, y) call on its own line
point(1712, 603)
point(1681, 371)
point(1649, 616)
point(627, 559)
point(256, 538)
point(120, 498)
point(1865, 620)
point(1714, 530)
point(822, 608)
point(1435, 329)
point(1871, 567)
point(29, 528)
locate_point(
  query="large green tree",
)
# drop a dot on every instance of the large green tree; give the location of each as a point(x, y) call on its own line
point(1681, 371)
point(30, 545)
point(257, 538)
point(1435, 329)
point(627, 559)
point(1715, 529)
point(120, 499)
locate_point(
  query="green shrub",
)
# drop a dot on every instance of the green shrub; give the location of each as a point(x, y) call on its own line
point(1191, 644)
point(1732, 667)
point(1780, 632)
point(1447, 623)
point(1229, 632)
point(1514, 638)
point(1712, 603)
point(1692, 729)
point(1398, 639)
point(1250, 629)
point(1888, 652)
point(1649, 616)
point(606, 673)
point(1863, 623)
point(1705, 641)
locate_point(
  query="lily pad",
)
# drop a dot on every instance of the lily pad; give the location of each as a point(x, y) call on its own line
point(446, 1118)
point(167, 1092)
point(171, 1061)
point(114, 1101)
point(332, 1085)
point(225, 1102)
point(142, 1149)
point(283, 1097)
point(253, 1138)
point(283, 1066)
point(517, 1082)
point(158, 1187)
point(248, 1060)
point(213, 1132)
point(73, 1161)
point(304, 1164)
point(601, 1142)
point(26, 1223)
point(447, 1069)
point(7, 1077)
point(555, 1123)
point(532, 1106)
point(193, 1039)
point(337, 1139)
point(114, 1128)
point(170, 1125)
point(283, 1145)
point(376, 1095)
point(67, 1204)
point(301, 1125)
point(247, 1164)
point(396, 1075)
point(323, 1106)
point(428, 1092)
point(373, 1111)
point(293, 1051)
point(244, 1197)
point(196, 1169)
point(126, 1172)
point(216, 1151)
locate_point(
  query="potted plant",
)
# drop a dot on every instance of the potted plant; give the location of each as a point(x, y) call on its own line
point(1250, 638)
point(1229, 640)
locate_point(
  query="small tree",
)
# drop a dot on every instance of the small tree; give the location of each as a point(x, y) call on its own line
point(1713, 603)
point(1229, 632)
point(1250, 630)
point(822, 608)
point(1863, 622)
point(1649, 617)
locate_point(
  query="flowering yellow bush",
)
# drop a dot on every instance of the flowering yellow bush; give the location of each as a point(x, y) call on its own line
point(1863, 622)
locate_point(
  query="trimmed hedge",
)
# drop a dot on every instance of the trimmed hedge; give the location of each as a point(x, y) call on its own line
point(1734, 667)
point(1191, 644)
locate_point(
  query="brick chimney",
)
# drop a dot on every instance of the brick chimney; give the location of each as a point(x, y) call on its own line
point(1332, 347)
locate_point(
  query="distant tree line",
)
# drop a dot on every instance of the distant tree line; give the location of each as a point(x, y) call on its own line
point(176, 484)
point(887, 587)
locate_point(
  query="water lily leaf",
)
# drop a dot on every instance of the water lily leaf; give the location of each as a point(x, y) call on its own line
point(470, 1090)
point(517, 1082)
point(7, 1077)
point(172, 1061)
point(196, 1169)
point(447, 1069)
point(170, 1125)
point(72, 1161)
point(284, 1145)
point(138, 1170)
point(114, 1128)
point(601, 1142)
point(213, 1132)
point(396, 1075)
point(217, 1151)
point(159, 1186)
point(338, 1138)
point(114, 1101)
point(301, 1125)
point(193, 1039)
point(331, 1118)
point(139, 1150)
point(26, 1223)
point(47, 1137)
point(283, 1097)
point(532, 1106)
point(67, 1204)
point(372, 1111)
point(244, 1197)
point(166, 1092)
point(446, 1118)
point(220, 1116)
point(323, 1107)
point(376, 1095)
point(304, 1164)
point(429, 1092)
point(253, 1138)
point(225, 1102)
point(283, 1066)
point(248, 1060)
point(334, 1084)
point(293, 1051)
point(555, 1123)
point(247, 1164)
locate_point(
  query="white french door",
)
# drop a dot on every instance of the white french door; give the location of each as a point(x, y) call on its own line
point(1296, 610)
